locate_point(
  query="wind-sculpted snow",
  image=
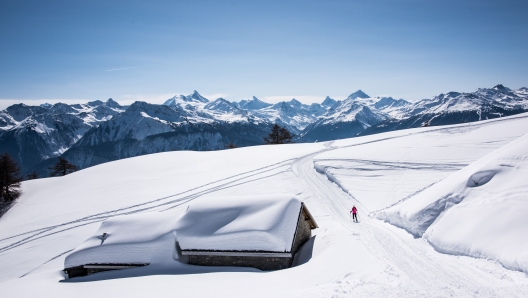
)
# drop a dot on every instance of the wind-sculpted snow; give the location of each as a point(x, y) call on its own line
point(478, 211)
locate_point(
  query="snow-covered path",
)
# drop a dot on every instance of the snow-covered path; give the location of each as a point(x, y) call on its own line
point(420, 271)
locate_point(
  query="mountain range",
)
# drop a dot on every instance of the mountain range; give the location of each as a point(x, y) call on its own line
point(98, 132)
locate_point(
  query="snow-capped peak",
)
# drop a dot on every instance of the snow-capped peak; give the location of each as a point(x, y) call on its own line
point(253, 104)
point(198, 97)
point(179, 99)
point(221, 104)
point(328, 102)
point(295, 103)
point(500, 87)
point(358, 94)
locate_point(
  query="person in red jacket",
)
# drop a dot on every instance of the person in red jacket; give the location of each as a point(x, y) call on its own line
point(354, 214)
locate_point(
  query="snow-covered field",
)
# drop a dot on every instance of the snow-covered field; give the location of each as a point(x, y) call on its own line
point(462, 187)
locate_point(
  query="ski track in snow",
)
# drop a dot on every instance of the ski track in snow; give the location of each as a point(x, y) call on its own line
point(421, 272)
point(418, 270)
point(160, 204)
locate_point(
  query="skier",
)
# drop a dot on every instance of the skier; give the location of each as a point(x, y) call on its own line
point(354, 214)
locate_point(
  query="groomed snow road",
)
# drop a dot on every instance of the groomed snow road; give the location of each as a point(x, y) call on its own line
point(418, 270)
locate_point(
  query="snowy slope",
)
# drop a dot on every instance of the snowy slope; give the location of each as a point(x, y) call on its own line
point(369, 259)
point(479, 210)
point(412, 163)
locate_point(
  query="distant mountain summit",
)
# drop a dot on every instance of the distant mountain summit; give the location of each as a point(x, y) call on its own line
point(328, 102)
point(359, 114)
point(358, 94)
point(253, 104)
point(97, 132)
point(222, 105)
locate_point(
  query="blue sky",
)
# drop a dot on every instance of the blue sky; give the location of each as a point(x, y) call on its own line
point(150, 50)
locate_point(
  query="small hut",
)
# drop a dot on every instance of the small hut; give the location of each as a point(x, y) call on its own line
point(263, 232)
point(260, 259)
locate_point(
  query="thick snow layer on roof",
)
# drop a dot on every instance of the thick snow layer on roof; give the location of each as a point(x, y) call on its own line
point(255, 223)
point(130, 239)
point(264, 223)
point(478, 211)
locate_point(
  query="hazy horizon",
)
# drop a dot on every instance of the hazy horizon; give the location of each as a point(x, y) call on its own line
point(132, 50)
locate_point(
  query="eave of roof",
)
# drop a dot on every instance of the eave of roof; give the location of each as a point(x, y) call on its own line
point(308, 217)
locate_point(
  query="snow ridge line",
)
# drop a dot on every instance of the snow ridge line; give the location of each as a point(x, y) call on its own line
point(104, 215)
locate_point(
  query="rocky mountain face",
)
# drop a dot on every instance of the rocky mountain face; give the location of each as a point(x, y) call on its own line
point(148, 128)
point(455, 107)
point(360, 114)
point(352, 116)
point(97, 132)
point(32, 134)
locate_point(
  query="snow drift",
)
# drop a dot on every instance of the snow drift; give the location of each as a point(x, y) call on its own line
point(478, 211)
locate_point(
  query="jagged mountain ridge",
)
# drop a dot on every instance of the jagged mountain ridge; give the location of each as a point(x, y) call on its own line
point(182, 123)
point(362, 115)
point(98, 132)
point(32, 134)
point(455, 107)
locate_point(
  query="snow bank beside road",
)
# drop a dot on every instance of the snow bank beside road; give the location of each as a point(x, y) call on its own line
point(479, 211)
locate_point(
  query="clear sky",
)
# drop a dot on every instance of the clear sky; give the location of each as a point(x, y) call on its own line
point(151, 50)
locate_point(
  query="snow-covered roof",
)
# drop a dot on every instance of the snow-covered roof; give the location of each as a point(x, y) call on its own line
point(251, 223)
point(265, 223)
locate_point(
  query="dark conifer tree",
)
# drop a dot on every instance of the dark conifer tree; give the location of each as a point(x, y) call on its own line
point(32, 176)
point(278, 135)
point(285, 136)
point(9, 178)
point(62, 168)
